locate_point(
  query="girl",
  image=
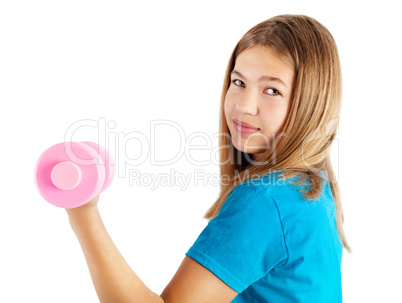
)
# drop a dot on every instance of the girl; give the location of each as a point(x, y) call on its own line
point(275, 232)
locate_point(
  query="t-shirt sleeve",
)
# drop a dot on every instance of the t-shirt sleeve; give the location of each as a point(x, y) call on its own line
point(245, 241)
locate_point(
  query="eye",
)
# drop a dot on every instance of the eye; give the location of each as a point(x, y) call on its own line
point(273, 92)
point(238, 82)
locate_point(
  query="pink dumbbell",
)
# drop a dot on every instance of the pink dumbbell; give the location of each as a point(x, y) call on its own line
point(71, 174)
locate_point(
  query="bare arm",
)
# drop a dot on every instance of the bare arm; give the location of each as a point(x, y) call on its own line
point(115, 281)
point(112, 277)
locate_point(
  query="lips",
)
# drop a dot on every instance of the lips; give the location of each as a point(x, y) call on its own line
point(244, 128)
point(244, 124)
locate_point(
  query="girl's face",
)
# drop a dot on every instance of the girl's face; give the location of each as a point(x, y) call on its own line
point(258, 100)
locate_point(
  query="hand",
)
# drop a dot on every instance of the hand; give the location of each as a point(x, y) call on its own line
point(88, 208)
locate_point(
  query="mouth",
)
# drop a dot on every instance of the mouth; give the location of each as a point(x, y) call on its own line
point(244, 128)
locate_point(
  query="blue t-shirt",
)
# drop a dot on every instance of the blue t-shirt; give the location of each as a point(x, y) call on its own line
point(271, 245)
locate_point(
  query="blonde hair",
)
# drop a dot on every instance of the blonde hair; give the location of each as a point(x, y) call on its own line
point(312, 121)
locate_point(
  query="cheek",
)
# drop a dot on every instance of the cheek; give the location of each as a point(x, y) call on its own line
point(274, 117)
point(228, 106)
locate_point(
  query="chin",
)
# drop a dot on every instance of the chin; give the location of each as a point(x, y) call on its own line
point(247, 150)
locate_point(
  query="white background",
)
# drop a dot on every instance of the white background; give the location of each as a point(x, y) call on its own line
point(127, 63)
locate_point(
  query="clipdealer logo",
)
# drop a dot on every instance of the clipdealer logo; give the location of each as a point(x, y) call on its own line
point(131, 162)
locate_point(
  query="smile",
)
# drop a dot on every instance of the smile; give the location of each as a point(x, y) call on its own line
point(241, 128)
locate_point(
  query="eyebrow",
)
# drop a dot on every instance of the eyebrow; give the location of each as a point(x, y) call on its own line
point(262, 78)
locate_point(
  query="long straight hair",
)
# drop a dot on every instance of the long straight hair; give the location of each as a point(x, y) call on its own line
point(312, 122)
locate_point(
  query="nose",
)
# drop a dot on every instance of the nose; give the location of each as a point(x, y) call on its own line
point(247, 103)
